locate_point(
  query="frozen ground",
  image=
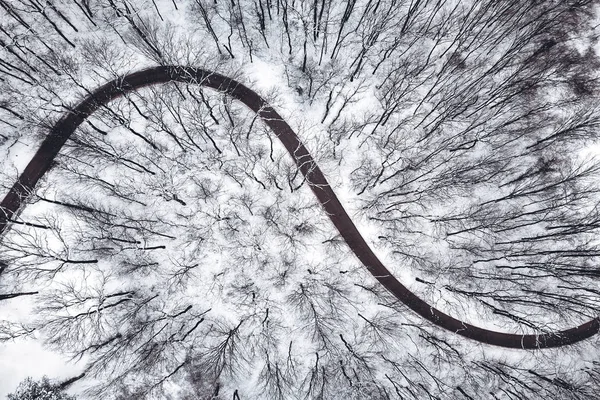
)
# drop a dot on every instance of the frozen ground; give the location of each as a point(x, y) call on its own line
point(443, 175)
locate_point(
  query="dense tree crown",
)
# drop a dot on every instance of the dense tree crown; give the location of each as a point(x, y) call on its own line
point(39, 390)
point(174, 247)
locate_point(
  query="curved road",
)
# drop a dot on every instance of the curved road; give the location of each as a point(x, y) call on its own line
point(61, 131)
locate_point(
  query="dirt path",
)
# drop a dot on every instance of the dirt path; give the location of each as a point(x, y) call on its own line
point(61, 131)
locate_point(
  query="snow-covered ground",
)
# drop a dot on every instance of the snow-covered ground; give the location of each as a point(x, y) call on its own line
point(247, 243)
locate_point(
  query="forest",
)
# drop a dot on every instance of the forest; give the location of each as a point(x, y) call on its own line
point(296, 199)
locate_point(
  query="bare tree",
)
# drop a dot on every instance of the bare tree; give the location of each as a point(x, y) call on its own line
point(175, 245)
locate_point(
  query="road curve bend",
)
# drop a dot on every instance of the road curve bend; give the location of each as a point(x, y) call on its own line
point(69, 122)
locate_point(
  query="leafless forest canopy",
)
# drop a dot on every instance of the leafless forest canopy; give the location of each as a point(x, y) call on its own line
point(174, 249)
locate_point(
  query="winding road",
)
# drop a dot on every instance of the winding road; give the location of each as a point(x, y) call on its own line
point(61, 131)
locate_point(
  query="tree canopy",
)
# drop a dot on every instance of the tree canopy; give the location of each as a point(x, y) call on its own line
point(174, 247)
point(43, 389)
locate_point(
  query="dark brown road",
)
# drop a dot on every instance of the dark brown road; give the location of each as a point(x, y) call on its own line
point(61, 131)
